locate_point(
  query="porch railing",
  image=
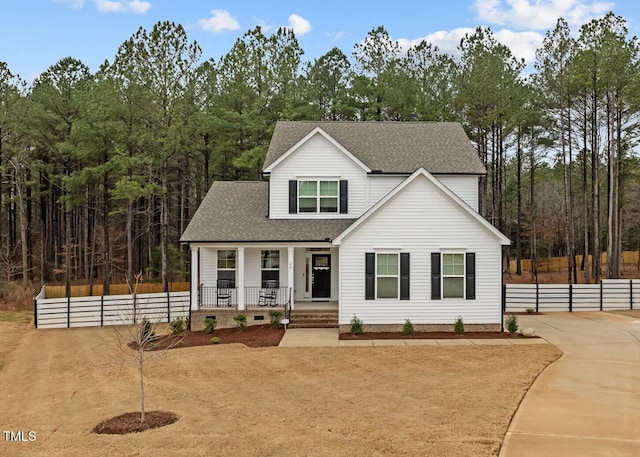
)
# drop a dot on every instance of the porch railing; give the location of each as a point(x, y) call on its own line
point(254, 297)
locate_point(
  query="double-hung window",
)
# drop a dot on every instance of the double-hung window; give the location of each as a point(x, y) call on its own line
point(453, 275)
point(318, 196)
point(227, 266)
point(387, 276)
point(270, 266)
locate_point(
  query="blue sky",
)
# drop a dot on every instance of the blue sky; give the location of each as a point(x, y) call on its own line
point(35, 34)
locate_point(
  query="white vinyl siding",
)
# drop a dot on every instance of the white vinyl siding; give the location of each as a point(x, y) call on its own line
point(464, 186)
point(319, 160)
point(420, 219)
point(381, 185)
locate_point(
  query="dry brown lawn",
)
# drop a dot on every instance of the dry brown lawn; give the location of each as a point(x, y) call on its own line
point(239, 401)
point(627, 312)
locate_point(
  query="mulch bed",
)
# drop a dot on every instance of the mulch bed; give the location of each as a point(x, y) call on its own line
point(130, 422)
point(255, 336)
point(428, 335)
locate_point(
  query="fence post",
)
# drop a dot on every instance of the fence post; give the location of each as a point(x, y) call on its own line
point(537, 298)
point(35, 311)
point(101, 310)
point(570, 298)
point(68, 311)
point(601, 295)
point(168, 308)
point(504, 298)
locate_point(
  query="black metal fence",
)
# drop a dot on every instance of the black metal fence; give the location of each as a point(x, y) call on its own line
point(254, 297)
point(609, 294)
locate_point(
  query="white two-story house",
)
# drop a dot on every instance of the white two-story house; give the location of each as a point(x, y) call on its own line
point(378, 219)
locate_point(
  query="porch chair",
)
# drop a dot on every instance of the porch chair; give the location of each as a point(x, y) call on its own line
point(223, 293)
point(269, 294)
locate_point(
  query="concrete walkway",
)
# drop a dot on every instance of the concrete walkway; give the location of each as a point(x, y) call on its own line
point(588, 402)
point(328, 337)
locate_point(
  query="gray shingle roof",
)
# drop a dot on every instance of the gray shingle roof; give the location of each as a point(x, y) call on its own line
point(237, 211)
point(391, 147)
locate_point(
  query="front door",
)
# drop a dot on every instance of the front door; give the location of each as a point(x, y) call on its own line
point(321, 276)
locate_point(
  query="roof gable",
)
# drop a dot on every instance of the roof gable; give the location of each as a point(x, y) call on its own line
point(296, 147)
point(418, 174)
point(388, 147)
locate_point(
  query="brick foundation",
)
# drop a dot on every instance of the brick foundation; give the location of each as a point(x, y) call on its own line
point(346, 328)
point(224, 316)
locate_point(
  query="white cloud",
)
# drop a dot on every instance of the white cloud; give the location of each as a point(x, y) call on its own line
point(523, 45)
point(75, 4)
point(219, 21)
point(299, 25)
point(122, 6)
point(539, 14)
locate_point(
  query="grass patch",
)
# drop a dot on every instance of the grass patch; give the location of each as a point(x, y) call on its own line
point(338, 402)
point(20, 317)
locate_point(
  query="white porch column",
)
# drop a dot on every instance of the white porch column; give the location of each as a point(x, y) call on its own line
point(290, 276)
point(240, 279)
point(195, 274)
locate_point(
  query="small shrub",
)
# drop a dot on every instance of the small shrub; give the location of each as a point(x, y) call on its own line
point(356, 325)
point(407, 329)
point(241, 321)
point(215, 340)
point(178, 325)
point(458, 327)
point(210, 325)
point(147, 332)
point(512, 324)
point(274, 318)
point(179, 344)
point(530, 310)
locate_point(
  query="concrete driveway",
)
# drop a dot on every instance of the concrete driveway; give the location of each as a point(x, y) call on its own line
point(588, 402)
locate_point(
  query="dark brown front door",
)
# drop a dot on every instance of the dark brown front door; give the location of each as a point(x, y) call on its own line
point(321, 284)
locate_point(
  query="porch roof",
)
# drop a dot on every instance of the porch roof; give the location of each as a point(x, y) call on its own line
point(237, 211)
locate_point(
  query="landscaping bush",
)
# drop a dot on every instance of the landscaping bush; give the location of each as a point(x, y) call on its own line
point(407, 329)
point(274, 318)
point(147, 332)
point(241, 321)
point(530, 310)
point(356, 325)
point(458, 327)
point(512, 324)
point(215, 340)
point(178, 325)
point(210, 325)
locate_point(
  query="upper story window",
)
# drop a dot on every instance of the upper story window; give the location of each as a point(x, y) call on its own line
point(318, 196)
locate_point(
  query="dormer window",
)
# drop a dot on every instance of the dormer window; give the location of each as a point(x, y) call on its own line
point(318, 196)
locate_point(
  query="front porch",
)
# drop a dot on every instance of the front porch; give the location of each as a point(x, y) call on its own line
point(262, 277)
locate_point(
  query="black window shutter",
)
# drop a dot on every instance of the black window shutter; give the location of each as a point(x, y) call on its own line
point(293, 196)
point(370, 276)
point(471, 276)
point(435, 276)
point(344, 196)
point(404, 276)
